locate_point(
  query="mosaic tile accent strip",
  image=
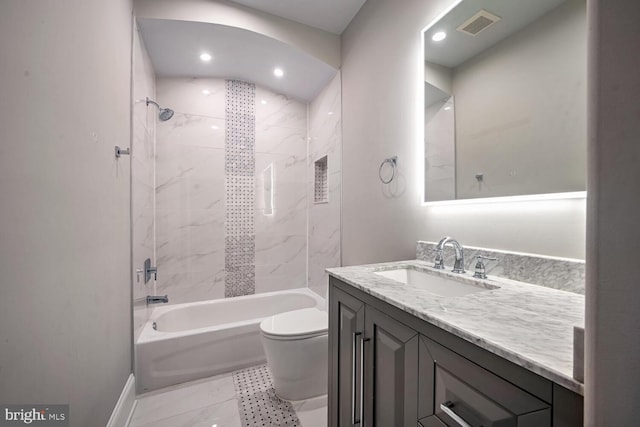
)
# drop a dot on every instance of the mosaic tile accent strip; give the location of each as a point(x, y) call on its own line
point(257, 401)
point(240, 188)
point(550, 272)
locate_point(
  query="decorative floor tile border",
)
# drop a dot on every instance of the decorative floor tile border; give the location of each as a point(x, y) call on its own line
point(257, 401)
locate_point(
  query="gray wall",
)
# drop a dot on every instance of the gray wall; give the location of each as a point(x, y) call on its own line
point(65, 291)
point(383, 116)
point(613, 295)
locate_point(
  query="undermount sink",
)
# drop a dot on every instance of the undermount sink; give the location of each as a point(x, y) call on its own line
point(433, 283)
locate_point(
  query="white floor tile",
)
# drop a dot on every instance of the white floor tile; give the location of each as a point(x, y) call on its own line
point(188, 397)
point(223, 414)
point(312, 412)
point(210, 402)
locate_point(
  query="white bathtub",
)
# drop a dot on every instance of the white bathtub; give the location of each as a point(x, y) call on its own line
point(200, 339)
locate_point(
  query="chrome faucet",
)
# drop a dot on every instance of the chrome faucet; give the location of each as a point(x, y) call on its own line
point(458, 266)
point(157, 299)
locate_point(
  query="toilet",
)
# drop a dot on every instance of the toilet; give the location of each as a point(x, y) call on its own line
point(295, 343)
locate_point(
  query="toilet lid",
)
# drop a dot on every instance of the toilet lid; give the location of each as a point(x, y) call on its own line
point(297, 323)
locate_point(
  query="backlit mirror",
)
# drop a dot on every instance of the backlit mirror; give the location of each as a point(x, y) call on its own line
point(505, 99)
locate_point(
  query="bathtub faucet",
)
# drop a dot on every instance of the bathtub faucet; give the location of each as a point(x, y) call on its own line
point(157, 299)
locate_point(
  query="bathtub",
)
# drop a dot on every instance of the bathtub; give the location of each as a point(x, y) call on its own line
point(201, 339)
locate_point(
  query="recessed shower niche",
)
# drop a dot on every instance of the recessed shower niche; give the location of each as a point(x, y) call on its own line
point(320, 185)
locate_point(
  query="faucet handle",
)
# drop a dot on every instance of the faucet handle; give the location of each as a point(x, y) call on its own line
point(480, 272)
point(438, 261)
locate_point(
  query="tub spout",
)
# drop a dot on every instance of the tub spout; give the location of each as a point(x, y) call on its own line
point(157, 299)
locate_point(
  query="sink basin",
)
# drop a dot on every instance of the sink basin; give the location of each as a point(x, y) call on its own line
point(435, 284)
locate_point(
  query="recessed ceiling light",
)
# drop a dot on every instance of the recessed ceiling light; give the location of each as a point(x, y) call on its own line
point(205, 57)
point(439, 36)
point(278, 72)
point(205, 92)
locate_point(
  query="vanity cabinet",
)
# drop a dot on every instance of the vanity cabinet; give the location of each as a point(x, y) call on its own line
point(388, 368)
point(391, 383)
point(346, 323)
point(371, 345)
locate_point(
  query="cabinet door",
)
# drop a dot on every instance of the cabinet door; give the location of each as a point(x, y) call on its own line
point(346, 329)
point(391, 372)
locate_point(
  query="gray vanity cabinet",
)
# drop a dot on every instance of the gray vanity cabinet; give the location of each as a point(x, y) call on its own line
point(389, 369)
point(371, 345)
point(346, 326)
point(391, 361)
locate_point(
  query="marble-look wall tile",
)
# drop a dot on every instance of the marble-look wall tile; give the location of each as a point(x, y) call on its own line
point(276, 248)
point(440, 179)
point(280, 277)
point(325, 139)
point(185, 95)
point(324, 218)
point(193, 131)
point(275, 110)
point(191, 198)
point(142, 177)
point(324, 252)
point(282, 140)
point(289, 213)
point(190, 192)
point(286, 167)
point(281, 261)
point(556, 273)
point(190, 286)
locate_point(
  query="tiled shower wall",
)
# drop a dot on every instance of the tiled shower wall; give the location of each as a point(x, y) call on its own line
point(191, 197)
point(325, 139)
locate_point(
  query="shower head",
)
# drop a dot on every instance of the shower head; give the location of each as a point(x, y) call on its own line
point(165, 113)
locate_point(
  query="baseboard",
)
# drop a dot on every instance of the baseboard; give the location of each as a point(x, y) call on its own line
point(123, 410)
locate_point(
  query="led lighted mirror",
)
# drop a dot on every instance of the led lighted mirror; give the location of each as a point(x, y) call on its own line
point(505, 100)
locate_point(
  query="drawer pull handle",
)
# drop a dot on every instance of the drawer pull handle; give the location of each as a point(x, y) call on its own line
point(363, 341)
point(447, 407)
point(354, 345)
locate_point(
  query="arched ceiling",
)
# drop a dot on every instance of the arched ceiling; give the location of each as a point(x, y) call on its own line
point(175, 48)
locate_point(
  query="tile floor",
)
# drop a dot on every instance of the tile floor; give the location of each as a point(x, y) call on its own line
point(210, 402)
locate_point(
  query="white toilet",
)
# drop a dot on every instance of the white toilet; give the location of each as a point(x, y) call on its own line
point(295, 343)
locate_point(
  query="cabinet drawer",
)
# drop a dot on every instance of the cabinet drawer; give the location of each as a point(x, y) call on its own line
point(467, 393)
point(431, 421)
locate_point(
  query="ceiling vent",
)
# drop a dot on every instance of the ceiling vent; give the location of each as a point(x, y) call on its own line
point(478, 22)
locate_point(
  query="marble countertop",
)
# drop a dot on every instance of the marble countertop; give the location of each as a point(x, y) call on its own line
point(529, 325)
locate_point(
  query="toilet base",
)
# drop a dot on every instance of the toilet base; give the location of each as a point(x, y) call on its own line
point(299, 368)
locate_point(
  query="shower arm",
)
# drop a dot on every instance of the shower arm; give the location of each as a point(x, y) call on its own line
point(153, 102)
